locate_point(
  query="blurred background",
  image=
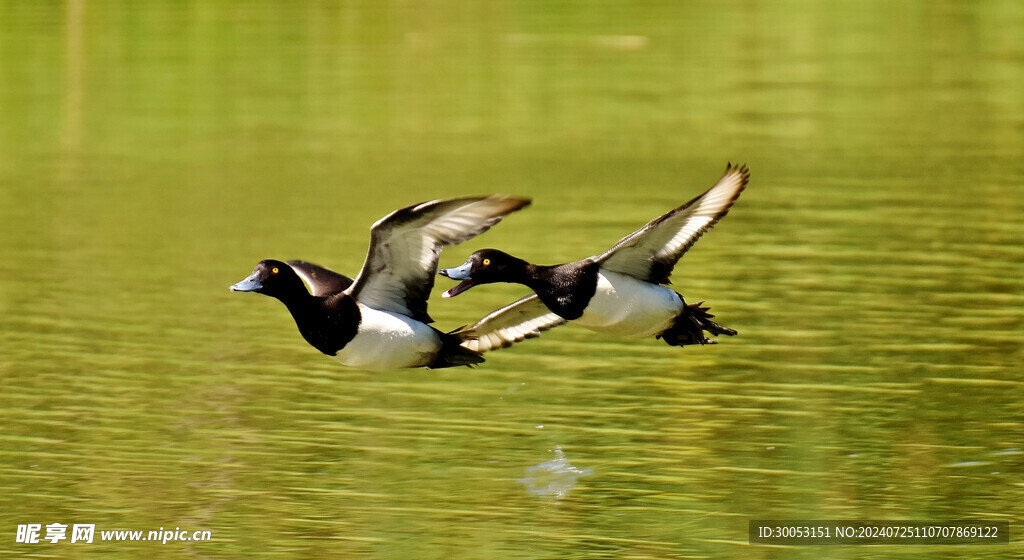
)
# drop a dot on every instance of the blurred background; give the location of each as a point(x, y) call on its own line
point(151, 153)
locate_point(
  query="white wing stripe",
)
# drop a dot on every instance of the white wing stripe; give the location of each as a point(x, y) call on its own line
point(405, 245)
point(664, 240)
point(525, 318)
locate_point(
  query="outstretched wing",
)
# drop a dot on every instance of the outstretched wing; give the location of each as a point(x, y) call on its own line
point(522, 319)
point(321, 281)
point(400, 266)
point(651, 252)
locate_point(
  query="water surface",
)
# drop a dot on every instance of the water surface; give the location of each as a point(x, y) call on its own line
point(151, 155)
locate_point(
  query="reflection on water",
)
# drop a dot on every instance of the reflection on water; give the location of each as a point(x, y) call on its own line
point(148, 153)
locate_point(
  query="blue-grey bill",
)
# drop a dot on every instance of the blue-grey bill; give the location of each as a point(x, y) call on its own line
point(250, 284)
point(458, 273)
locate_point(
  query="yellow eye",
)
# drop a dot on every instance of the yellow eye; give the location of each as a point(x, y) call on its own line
point(487, 262)
point(274, 270)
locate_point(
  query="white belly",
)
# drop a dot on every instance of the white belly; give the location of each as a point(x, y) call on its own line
point(389, 341)
point(626, 306)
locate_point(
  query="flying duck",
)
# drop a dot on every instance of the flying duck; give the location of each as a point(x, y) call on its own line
point(621, 291)
point(379, 321)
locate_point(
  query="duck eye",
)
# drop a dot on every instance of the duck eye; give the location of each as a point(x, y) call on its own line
point(487, 262)
point(274, 270)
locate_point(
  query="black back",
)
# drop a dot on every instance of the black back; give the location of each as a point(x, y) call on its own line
point(565, 289)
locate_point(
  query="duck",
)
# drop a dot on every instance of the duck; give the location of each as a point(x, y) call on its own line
point(378, 320)
point(623, 291)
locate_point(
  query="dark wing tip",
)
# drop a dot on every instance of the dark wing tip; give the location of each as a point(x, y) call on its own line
point(513, 203)
point(743, 170)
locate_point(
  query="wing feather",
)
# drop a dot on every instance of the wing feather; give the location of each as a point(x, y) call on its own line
point(651, 252)
point(401, 263)
point(320, 281)
point(522, 319)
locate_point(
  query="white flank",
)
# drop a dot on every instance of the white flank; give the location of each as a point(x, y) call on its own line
point(389, 341)
point(626, 306)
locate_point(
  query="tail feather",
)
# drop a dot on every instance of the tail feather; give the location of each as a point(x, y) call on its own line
point(452, 352)
point(690, 325)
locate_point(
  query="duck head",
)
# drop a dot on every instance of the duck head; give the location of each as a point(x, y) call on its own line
point(272, 278)
point(483, 267)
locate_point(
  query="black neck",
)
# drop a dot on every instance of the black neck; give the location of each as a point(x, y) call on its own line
point(327, 323)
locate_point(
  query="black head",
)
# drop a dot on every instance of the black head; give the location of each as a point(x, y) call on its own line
point(484, 267)
point(272, 278)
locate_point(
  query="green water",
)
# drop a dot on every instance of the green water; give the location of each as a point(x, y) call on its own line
point(151, 154)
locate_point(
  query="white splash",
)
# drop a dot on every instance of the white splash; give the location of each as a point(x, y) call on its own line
point(553, 478)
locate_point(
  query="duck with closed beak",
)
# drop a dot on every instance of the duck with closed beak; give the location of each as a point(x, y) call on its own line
point(379, 321)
